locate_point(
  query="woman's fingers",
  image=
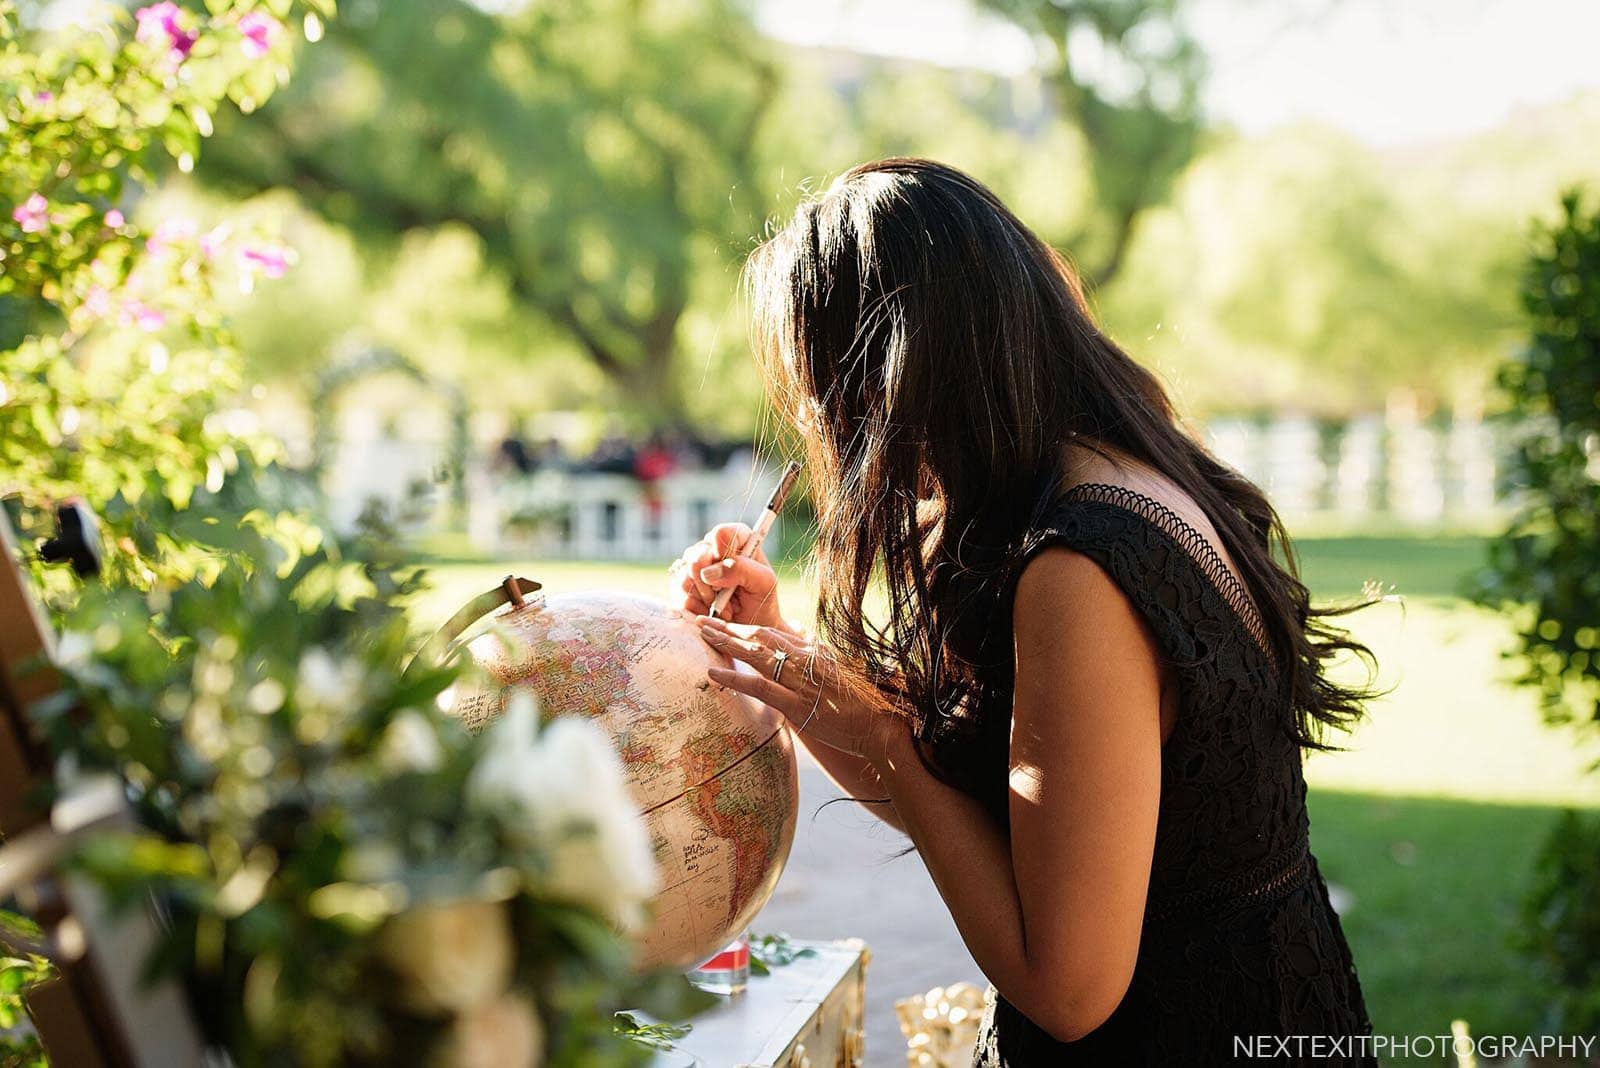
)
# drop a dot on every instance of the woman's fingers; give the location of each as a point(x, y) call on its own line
point(803, 690)
point(767, 637)
point(697, 595)
point(726, 641)
point(713, 563)
point(791, 692)
point(745, 571)
point(763, 689)
point(726, 539)
point(695, 561)
point(681, 577)
point(753, 582)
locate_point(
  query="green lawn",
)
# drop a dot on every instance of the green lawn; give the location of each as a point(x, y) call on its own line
point(1431, 816)
point(1436, 883)
point(1413, 566)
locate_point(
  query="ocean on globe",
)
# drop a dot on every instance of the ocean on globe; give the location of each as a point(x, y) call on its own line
point(712, 771)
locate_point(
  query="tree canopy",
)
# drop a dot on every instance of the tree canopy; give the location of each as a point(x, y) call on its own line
point(549, 202)
point(1127, 75)
point(602, 153)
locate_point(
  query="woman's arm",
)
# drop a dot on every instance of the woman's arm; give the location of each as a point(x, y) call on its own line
point(857, 777)
point(1052, 911)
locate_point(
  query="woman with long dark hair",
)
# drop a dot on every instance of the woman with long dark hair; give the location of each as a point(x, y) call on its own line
point(1057, 643)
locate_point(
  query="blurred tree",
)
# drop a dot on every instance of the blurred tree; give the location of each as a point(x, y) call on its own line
point(429, 293)
point(1127, 74)
point(1001, 130)
point(602, 152)
point(1303, 269)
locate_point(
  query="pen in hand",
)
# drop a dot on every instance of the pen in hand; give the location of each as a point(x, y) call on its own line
point(759, 533)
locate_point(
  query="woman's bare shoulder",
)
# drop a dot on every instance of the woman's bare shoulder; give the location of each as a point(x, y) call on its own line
point(1105, 466)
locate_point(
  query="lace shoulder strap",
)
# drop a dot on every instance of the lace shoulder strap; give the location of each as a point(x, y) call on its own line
point(1194, 546)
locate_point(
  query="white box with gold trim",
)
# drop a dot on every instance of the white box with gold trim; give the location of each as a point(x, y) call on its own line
point(810, 1013)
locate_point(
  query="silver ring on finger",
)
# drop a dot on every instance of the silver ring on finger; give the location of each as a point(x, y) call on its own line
point(779, 658)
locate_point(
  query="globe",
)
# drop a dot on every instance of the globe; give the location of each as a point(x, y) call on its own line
point(712, 771)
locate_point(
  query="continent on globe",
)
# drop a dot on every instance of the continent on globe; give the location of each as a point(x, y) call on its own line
point(712, 771)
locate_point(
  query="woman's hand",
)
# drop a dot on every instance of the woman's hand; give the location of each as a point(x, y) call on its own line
point(712, 564)
point(824, 699)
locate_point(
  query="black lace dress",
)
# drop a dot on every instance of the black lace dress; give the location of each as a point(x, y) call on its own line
point(1239, 940)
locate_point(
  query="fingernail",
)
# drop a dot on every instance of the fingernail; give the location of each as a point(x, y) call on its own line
point(711, 574)
point(728, 562)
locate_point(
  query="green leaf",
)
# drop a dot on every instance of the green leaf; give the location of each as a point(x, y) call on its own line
point(775, 950)
point(661, 1036)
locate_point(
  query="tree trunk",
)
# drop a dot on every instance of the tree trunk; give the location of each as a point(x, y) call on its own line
point(652, 389)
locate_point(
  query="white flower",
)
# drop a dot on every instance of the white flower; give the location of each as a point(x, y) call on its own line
point(410, 744)
point(325, 683)
point(573, 802)
point(74, 648)
point(449, 957)
point(503, 1033)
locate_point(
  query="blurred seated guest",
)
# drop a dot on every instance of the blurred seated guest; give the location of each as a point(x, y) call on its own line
point(613, 456)
point(512, 454)
point(735, 456)
point(653, 462)
point(688, 449)
point(549, 456)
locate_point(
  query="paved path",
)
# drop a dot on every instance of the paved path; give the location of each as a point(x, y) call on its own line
point(844, 880)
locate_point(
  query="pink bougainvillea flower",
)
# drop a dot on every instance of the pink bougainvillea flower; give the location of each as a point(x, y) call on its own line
point(115, 219)
point(33, 214)
point(171, 232)
point(212, 241)
point(97, 302)
point(143, 316)
point(161, 26)
point(260, 30)
point(270, 260)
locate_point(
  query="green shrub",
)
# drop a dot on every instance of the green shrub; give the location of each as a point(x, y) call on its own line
point(307, 816)
point(113, 362)
point(1561, 923)
point(116, 371)
point(1545, 568)
point(1547, 563)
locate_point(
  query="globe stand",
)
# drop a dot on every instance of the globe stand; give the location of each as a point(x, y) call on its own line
point(512, 591)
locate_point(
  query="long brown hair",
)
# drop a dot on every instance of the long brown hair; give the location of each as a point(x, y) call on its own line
point(937, 356)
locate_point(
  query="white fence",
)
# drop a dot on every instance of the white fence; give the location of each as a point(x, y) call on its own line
point(1393, 469)
point(1398, 468)
point(612, 517)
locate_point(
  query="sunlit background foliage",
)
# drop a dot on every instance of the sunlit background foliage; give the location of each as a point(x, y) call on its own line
point(541, 209)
